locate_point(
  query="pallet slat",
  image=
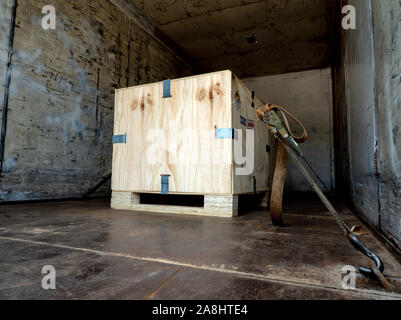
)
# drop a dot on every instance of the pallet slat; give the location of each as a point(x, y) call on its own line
point(215, 206)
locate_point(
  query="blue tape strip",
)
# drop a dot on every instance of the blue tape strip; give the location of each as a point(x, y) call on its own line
point(225, 133)
point(167, 89)
point(122, 138)
point(165, 184)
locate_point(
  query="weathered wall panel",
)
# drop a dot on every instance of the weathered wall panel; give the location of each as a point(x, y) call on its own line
point(60, 121)
point(5, 25)
point(361, 104)
point(368, 85)
point(340, 114)
point(387, 35)
point(308, 96)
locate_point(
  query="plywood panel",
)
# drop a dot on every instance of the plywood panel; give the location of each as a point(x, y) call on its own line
point(244, 114)
point(175, 136)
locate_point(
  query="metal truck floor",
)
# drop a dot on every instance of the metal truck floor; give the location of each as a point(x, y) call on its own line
point(99, 253)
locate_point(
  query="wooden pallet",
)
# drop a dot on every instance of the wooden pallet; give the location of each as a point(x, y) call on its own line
point(213, 205)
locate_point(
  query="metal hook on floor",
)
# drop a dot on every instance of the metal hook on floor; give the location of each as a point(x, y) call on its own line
point(376, 269)
point(360, 246)
point(287, 140)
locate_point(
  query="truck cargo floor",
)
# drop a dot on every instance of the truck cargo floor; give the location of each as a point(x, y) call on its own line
point(99, 253)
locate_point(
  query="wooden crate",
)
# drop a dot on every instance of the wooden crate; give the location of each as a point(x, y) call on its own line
point(187, 137)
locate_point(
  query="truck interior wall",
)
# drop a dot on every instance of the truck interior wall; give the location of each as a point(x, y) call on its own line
point(308, 96)
point(5, 22)
point(60, 115)
point(387, 35)
point(367, 94)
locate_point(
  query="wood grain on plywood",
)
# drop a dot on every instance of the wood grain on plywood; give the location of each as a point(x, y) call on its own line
point(243, 113)
point(176, 134)
point(177, 137)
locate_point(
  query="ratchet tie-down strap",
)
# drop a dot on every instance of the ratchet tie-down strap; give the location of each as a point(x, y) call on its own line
point(376, 265)
point(269, 107)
